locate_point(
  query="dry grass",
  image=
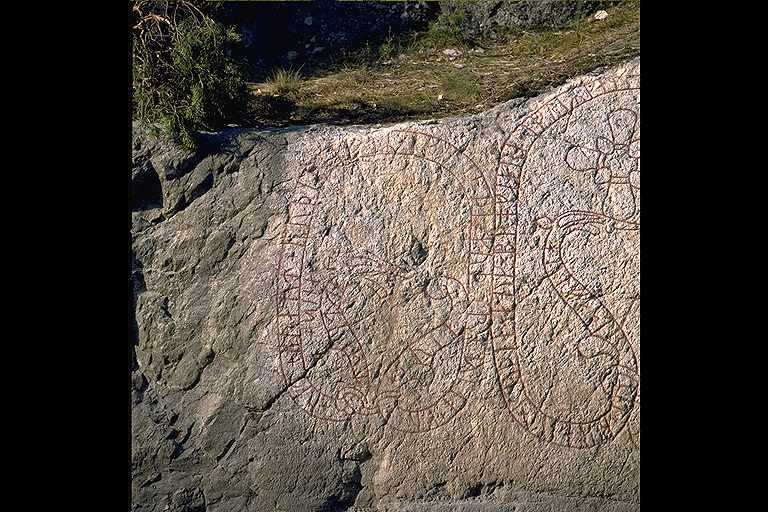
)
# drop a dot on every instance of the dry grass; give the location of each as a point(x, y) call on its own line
point(422, 82)
point(283, 82)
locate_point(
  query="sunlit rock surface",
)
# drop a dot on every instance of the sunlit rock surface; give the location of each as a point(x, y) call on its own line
point(430, 316)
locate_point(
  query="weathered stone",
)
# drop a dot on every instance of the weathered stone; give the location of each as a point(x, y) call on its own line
point(485, 17)
point(431, 316)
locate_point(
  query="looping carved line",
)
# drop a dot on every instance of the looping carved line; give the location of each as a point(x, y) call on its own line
point(322, 357)
point(620, 378)
point(318, 341)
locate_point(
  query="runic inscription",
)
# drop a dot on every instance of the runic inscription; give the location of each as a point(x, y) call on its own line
point(390, 306)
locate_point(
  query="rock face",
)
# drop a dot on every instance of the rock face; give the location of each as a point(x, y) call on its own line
point(484, 17)
point(432, 316)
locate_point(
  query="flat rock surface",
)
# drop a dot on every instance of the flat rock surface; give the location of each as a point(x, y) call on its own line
point(431, 316)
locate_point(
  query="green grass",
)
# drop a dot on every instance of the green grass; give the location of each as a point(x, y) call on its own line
point(461, 86)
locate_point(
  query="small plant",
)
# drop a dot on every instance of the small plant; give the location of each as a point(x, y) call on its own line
point(184, 79)
point(445, 31)
point(284, 82)
point(388, 48)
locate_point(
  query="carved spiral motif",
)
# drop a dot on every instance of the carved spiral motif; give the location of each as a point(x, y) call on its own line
point(590, 360)
point(363, 333)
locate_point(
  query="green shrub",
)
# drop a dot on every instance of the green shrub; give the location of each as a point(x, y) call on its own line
point(446, 31)
point(184, 79)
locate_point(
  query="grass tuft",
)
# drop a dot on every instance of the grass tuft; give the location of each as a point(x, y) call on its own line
point(284, 82)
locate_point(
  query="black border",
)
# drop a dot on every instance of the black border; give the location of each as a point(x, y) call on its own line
point(686, 356)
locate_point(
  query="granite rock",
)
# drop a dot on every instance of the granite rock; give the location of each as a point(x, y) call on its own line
point(429, 316)
point(479, 18)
